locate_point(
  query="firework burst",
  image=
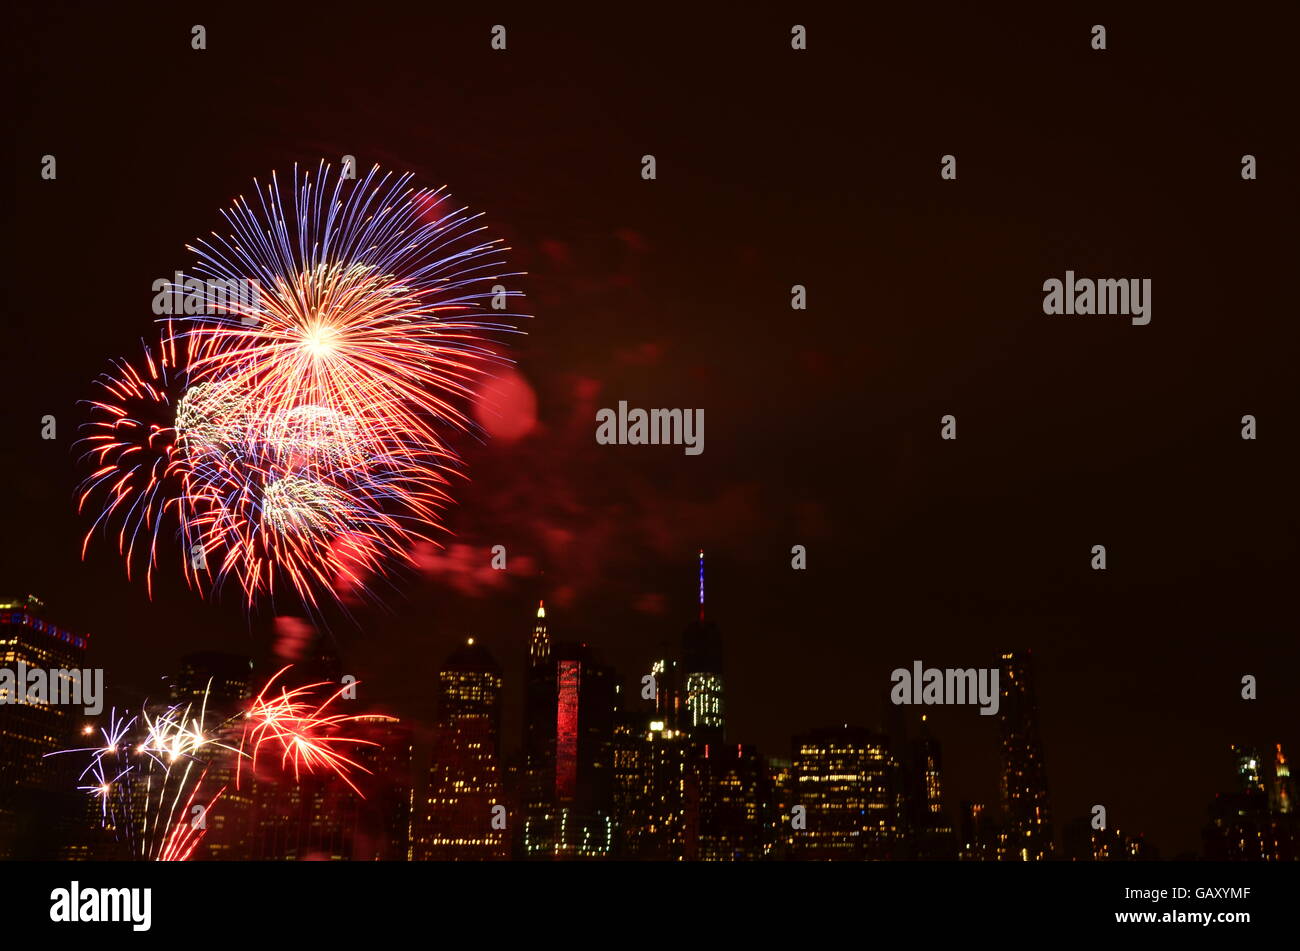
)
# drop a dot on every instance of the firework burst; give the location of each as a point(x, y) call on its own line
point(146, 774)
point(296, 438)
point(152, 774)
point(303, 732)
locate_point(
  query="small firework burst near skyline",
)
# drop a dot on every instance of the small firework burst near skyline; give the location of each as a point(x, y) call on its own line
point(307, 737)
point(151, 776)
point(296, 441)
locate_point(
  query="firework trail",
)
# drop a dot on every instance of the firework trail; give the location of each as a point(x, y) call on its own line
point(295, 439)
point(148, 774)
point(143, 771)
point(179, 844)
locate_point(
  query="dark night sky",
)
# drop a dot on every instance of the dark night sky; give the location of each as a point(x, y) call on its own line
point(925, 298)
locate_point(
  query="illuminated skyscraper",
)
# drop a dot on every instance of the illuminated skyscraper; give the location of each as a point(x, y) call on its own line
point(570, 713)
point(464, 816)
point(649, 775)
point(1026, 835)
point(652, 747)
point(539, 645)
point(848, 782)
point(702, 664)
point(36, 796)
point(629, 755)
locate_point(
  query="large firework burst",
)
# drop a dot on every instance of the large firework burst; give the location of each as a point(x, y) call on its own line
point(295, 438)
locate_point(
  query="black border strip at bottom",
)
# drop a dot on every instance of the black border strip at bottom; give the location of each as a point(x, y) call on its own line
point(432, 902)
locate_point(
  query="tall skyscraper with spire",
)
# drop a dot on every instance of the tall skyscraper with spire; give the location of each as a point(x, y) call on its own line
point(570, 713)
point(702, 663)
point(539, 645)
point(1027, 833)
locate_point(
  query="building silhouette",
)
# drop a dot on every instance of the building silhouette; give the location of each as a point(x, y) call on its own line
point(464, 814)
point(649, 778)
point(571, 709)
point(1081, 842)
point(1256, 820)
point(217, 686)
point(1026, 833)
point(41, 814)
point(381, 832)
point(977, 833)
point(730, 805)
point(933, 836)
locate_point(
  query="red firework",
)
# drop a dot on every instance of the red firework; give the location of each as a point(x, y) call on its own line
point(301, 730)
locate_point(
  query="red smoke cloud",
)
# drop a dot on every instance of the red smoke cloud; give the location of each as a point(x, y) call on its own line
point(294, 638)
point(468, 568)
point(506, 407)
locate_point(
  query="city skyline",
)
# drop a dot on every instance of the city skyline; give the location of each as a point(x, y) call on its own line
point(923, 819)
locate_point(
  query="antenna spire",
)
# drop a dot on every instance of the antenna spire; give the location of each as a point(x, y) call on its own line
point(701, 584)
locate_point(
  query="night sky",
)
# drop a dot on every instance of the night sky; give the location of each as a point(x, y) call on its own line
point(775, 168)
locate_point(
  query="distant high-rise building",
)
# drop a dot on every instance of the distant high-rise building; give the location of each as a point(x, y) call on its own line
point(848, 782)
point(1084, 843)
point(1256, 821)
point(933, 836)
point(781, 773)
point(571, 709)
point(219, 679)
point(382, 829)
point(649, 778)
point(669, 703)
point(316, 816)
point(1027, 817)
point(1283, 796)
point(512, 791)
point(977, 833)
point(38, 800)
point(216, 685)
point(464, 812)
point(539, 645)
point(730, 806)
point(301, 819)
point(1249, 767)
point(629, 766)
point(702, 665)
